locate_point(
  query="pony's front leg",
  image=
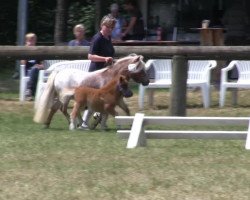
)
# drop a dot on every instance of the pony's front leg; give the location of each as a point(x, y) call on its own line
point(110, 109)
point(85, 115)
point(57, 104)
point(104, 121)
point(85, 119)
point(123, 106)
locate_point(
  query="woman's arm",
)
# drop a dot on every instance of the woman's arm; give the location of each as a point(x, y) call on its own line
point(40, 65)
point(130, 26)
point(96, 58)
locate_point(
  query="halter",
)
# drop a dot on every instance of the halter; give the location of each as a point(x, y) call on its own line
point(126, 93)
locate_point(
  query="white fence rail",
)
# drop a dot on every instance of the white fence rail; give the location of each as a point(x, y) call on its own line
point(138, 133)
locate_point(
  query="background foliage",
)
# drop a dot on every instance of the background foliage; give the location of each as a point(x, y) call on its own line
point(8, 14)
point(85, 14)
point(41, 18)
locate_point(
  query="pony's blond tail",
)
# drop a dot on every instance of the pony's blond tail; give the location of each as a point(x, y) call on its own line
point(45, 101)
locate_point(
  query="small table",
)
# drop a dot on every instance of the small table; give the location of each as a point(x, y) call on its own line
point(211, 36)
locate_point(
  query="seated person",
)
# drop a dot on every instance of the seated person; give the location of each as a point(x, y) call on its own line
point(32, 68)
point(79, 33)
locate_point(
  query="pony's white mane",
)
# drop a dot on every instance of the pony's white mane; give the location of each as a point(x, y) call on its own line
point(126, 58)
point(133, 67)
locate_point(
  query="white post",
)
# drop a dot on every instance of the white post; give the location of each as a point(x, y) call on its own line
point(248, 137)
point(137, 136)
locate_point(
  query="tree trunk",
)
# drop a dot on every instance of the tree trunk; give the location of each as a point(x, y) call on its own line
point(60, 34)
point(98, 7)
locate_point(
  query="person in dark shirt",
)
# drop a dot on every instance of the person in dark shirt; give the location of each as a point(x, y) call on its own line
point(32, 68)
point(101, 52)
point(135, 28)
point(79, 33)
point(101, 49)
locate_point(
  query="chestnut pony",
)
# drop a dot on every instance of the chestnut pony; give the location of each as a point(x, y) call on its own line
point(101, 100)
point(54, 97)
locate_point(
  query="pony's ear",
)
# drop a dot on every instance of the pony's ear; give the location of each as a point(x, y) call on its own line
point(122, 78)
point(136, 59)
point(141, 57)
point(133, 67)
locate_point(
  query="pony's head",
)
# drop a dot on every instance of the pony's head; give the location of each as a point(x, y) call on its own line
point(122, 86)
point(133, 67)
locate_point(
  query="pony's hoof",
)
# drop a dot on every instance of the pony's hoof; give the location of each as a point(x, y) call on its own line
point(45, 126)
point(104, 128)
point(84, 126)
point(71, 127)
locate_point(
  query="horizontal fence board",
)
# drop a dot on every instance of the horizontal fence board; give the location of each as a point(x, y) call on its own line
point(158, 134)
point(212, 121)
point(168, 121)
point(66, 52)
point(124, 120)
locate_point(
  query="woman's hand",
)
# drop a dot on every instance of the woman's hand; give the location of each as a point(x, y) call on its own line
point(39, 66)
point(108, 59)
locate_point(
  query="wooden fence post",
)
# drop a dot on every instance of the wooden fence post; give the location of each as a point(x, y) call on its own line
point(179, 86)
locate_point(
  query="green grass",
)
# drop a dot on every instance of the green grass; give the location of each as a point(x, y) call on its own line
point(55, 163)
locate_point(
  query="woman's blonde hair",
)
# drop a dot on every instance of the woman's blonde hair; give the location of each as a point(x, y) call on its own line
point(108, 20)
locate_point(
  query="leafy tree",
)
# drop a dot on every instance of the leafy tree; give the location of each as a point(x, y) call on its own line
point(8, 25)
point(41, 20)
point(89, 14)
point(82, 13)
point(52, 19)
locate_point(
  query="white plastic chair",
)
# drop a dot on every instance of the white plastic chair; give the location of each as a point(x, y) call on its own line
point(48, 63)
point(199, 72)
point(199, 75)
point(43, 74)
point(25, 79)
point(162, 78)
point(243, 81)
point(23, 83)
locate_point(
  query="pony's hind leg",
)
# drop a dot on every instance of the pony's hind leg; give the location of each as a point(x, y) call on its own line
point(79, 119)
point(73, 116)
point(64, 107)
point(57, 104)
point(64, 110)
